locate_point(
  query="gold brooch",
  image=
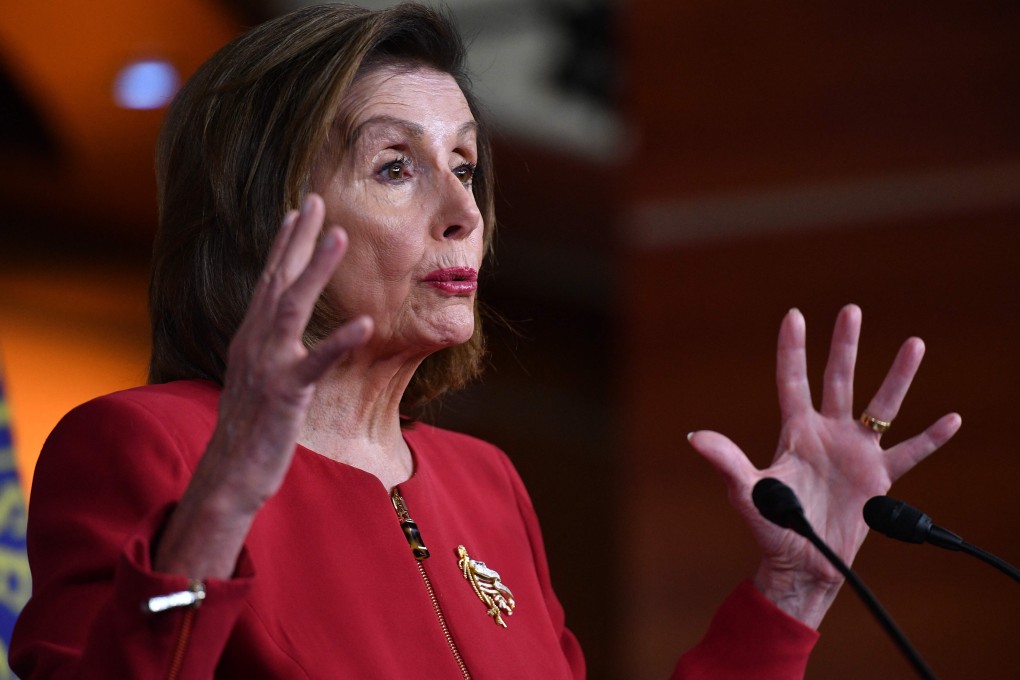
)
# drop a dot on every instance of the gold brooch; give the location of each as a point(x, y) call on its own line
point(487, 586)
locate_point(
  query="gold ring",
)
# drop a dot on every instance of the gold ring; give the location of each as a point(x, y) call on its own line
point(874, 424)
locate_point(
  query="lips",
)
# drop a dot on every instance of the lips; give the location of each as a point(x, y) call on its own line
point(453, 280)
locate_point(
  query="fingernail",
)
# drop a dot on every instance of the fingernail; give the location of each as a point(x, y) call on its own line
point(364, 325)
point(690, 435)
point(329, 241)
point(306, 203)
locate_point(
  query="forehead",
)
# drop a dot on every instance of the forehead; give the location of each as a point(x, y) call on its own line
point(428, 100)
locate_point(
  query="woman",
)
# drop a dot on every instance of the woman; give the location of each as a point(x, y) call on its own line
point(254, 511)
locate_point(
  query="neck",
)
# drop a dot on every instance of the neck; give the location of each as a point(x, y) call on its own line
point(354, 417)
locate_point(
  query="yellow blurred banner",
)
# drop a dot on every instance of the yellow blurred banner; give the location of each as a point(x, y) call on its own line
point(15, 578)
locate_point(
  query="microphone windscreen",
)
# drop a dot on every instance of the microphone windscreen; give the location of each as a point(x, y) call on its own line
point(896, 519)
point(777, 503)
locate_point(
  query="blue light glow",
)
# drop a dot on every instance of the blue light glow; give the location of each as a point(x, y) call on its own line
point(148, 84)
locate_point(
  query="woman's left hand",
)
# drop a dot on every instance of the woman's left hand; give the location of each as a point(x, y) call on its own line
point(831, 460)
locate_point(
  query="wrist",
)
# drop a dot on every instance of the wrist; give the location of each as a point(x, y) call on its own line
point(203, 535)
point(805, 597)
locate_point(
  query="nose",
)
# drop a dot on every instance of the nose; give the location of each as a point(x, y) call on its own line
point(458, 216)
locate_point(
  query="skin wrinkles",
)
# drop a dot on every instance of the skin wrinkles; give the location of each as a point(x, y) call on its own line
point(408, 128)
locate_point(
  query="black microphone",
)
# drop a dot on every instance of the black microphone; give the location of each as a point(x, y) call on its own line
point(904, 522)
point(899, 520)
point(779, 504)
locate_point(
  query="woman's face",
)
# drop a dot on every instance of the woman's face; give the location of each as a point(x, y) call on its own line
point(403, 193)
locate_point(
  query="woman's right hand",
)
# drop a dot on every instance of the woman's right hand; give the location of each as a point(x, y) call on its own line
point(270, 379)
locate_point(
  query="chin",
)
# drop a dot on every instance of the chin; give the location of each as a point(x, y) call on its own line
point(452, 328)
point(455, 337)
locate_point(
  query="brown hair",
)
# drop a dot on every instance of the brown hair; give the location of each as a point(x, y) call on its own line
point(236, 152)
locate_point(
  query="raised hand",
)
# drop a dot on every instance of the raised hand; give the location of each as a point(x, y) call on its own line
point(270, 380)
point(832, 459)
point(271, 374)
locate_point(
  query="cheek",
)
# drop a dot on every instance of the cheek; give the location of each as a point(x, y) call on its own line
point(384, 236)
point(397, 251)
point(478, 242)
point(383, 261)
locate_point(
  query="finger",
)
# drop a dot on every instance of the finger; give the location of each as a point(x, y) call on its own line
point(281, 241)
point(726, 457)
point(838, 386)
point(905, 455)
point(349, 336)
point(791, 366)
point(330, 250)
point(295, 305)
point(301, 245)
point(263, 294)
point(288, 260)
point(885, 405)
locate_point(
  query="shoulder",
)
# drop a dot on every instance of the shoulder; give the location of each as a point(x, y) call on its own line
point(465, 460)
point(450, 441)
point(183, 401)
point(445, 447)
point(181, 396)
point(119, 456)
point(179, 415)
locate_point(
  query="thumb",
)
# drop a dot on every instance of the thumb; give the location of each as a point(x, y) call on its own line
point(726, 457)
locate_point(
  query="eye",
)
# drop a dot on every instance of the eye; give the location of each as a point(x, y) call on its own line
point(465, 173)
point(395, 170)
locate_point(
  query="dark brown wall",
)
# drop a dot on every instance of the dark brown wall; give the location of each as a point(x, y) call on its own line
point(837, 153)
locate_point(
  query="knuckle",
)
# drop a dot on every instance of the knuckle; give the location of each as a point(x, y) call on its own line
point(289, 312)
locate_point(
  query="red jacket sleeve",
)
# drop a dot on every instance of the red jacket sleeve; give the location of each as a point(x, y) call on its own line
point(749, 638)
point(106, 480)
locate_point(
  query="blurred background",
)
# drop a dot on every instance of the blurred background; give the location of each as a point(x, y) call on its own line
point(673, 176)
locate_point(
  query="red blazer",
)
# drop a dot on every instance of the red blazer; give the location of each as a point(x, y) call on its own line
point(327, 586)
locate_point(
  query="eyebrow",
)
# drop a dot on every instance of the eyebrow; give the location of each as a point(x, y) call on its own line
point(412, 129)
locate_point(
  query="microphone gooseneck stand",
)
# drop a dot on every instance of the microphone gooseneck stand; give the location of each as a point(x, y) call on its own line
point(779, 504)
point(899, 520)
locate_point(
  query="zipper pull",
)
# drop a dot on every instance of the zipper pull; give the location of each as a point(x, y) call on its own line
point(411, 532)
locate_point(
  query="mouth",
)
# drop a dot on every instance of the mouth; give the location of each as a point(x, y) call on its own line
point(453, 274)
point(453, 280)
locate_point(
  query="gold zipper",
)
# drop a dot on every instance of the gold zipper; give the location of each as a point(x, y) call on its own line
point(177, 661)
point(421, 553)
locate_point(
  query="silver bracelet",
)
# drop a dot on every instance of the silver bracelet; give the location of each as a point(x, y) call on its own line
point(192, 597)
